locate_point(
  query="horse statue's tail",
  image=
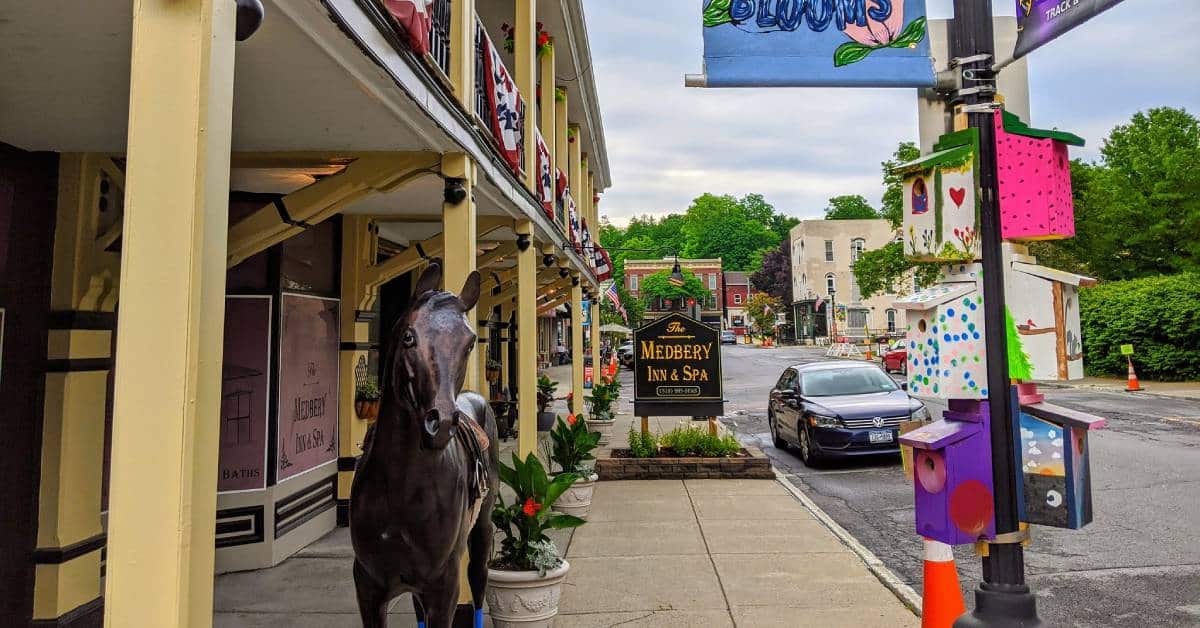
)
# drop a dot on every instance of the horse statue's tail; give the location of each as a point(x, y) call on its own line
point(486, 461)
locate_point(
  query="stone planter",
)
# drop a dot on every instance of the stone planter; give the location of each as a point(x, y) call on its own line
point(577, 500)
point(603, 426)
point(523, 598)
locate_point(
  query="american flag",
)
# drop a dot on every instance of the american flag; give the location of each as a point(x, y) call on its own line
point(611, 295)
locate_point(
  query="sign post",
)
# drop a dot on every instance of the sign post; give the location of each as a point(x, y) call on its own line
point(677, 369)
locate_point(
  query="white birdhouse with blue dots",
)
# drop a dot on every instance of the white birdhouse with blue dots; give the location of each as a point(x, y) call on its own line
point(946, 355)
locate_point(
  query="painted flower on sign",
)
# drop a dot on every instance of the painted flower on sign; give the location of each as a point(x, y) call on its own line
point(878, 28)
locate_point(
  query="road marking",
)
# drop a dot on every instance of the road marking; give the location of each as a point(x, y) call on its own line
point(905, 593)
point(1188, 420)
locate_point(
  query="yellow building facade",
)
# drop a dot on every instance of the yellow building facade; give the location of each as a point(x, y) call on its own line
point(204, 243)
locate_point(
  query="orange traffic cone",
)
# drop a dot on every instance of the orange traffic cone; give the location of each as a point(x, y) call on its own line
point(942, 601)
point(1133, 385)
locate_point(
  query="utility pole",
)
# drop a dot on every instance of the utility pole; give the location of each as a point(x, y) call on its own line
point(1003, 598)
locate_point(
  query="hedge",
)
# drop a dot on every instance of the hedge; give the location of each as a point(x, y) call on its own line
point(1159, 316)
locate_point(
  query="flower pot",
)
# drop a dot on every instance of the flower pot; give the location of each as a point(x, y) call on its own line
point(603, 426)
point(577, 501)
point(492, 375)
point(523, 598)
point(367, 410)
point(546, 421)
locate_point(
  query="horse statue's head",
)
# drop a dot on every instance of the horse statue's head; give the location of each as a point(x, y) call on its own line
point(428, 354)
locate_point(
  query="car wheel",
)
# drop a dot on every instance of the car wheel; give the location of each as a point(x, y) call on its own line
point(775, 439)
point(808, 455)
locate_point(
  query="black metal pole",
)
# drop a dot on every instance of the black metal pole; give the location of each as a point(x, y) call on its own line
point(1003, 598)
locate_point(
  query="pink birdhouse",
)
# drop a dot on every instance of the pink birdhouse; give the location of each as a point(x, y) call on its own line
point(1035, 181)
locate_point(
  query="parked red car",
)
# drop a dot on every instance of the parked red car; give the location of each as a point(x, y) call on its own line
point(895, 359)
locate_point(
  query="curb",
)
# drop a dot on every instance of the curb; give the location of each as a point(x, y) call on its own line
point(1143, 392)
point(902, 591)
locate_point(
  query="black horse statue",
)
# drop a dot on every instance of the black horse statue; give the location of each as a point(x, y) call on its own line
point(425, 486)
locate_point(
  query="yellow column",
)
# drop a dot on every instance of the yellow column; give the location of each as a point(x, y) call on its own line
point(562, 146)
point(589, 189)
point(358, 253)
point(526, 309)
point(525, 19)
point(546, 104)
point(577, 342)
point(462, 51)
point(459, 235)
point(163, 492)
point(574, 173)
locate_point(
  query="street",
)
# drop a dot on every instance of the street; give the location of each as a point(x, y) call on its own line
point(1133, 566)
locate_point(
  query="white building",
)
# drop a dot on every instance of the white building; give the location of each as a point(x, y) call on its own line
point(823, 253)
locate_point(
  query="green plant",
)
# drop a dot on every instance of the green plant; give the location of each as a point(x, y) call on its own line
point(367, 390)
point(642, 445)
point(1159, 316)
point(524, 522)
point(572, 445)
point(697, 441)
point(493, 365)
point(603, 396)
point(546, 388)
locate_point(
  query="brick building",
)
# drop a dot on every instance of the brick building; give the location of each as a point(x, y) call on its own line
point(738, 291)
point(707, 270)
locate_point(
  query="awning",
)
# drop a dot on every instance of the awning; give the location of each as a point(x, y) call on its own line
point(614, 328)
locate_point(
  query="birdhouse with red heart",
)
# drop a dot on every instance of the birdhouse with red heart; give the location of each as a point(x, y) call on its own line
point(941, 207)
point(1034, 182)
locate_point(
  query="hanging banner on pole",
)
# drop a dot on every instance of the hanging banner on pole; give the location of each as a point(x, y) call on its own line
point(813, 43)
point(1039, 21)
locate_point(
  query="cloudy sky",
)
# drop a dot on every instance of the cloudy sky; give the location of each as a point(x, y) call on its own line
point(667, 144)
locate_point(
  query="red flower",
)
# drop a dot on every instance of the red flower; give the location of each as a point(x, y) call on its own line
point(571, 419)
point(542, 40)
point(531, 507)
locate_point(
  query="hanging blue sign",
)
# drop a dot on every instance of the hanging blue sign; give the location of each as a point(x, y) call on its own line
point(831, 43)
point(1039, 21)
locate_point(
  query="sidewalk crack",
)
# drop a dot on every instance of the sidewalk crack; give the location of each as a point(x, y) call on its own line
point(708, 551)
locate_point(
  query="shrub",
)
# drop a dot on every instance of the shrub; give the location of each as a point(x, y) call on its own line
point(696, 441)
point(642, 445)
point(1159, 316)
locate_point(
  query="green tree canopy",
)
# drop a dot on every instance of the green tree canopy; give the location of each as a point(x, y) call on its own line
point(729, 228)
point(658, 286)
point(849, 207)
point(893, 197)
point(634, 307)
point(763, 309)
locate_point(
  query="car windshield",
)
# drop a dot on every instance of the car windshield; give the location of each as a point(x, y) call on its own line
point(851, 381)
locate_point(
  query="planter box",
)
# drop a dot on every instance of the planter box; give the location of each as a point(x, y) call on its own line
point(750, 464)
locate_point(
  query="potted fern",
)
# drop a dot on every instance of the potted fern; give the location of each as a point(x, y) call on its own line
point(366, 399)
point(601, 419)
point(525, 578)
point(546, 388)
point(571, 448)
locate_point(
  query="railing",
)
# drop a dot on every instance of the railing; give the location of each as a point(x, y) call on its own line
point(483, 103)
point(439, 34)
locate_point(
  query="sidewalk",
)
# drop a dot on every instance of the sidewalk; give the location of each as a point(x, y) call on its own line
point(1177, 390)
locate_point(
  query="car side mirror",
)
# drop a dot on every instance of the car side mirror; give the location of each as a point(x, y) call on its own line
point(787, 393)
point(904, 386)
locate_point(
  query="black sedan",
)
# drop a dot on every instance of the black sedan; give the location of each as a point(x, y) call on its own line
point(839, 410)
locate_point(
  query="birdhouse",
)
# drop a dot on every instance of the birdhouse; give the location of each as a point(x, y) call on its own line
point(1056, 481)
point(1034, 182)
point(1045, 307)
point(941, 211)
point(952, 467)
point(946, 358)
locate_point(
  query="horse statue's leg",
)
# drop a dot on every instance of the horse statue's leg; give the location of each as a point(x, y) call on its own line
point(372, 599)
point(479, 543)
point(418, 610)
point(440, 599)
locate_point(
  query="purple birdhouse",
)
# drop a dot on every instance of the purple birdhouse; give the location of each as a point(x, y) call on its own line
point(1035, 180)
point(953, 472)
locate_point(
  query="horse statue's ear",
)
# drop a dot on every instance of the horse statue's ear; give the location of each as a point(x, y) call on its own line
point(430, 279)
point(470, 290)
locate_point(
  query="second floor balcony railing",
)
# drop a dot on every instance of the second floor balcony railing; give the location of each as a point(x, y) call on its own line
point(484, 110)
point(439, 34)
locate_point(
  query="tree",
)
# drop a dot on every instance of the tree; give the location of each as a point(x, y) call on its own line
point(634, 308)
point(775, 276)
point(893, 196)
point(658, 286)
point(762, 309)
point(886, 269)
point(1137, 211)
point(721, 226)
point(849, 207)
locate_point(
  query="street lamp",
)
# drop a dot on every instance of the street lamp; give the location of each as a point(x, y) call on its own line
point(676, 278)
